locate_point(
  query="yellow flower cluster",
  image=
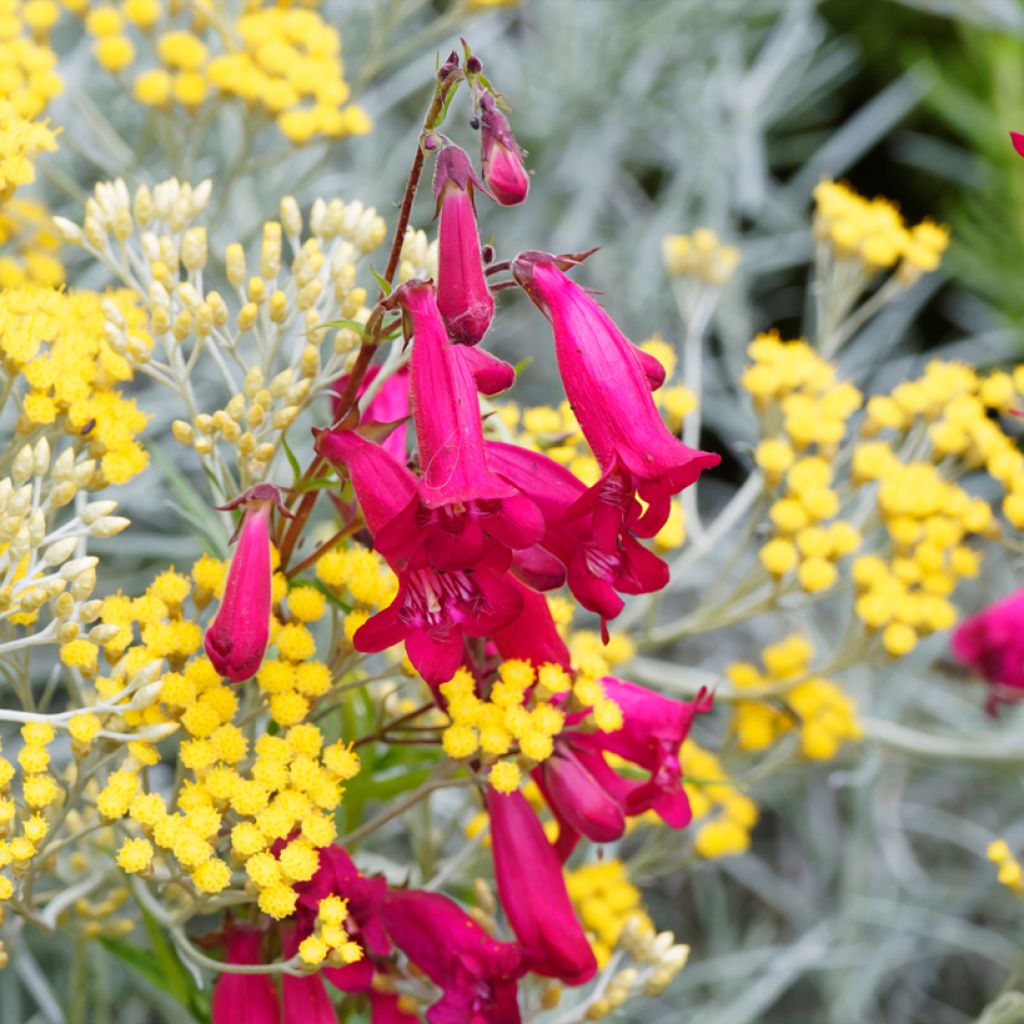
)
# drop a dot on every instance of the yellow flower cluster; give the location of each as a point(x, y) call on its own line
point(21, 141)
point(329, 940)
point(556, 432)
point(873, 232)
point(360, 578)
point(723, 817)
point(791, 698)
point(804, 411)
point(283, 62)
point(700, 255)
point(506, 721)
point(606, 901)
point(268, 811)
point(26, 228)
point(23, 824)
point(28, 76)
point(56, 342)
point(1009, 869)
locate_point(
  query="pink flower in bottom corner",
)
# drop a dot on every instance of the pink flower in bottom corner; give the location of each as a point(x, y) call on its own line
point(589, 797)
point(992, 643)
point(245, 998)
point(477, 974)
point(532, 891)
point(237, 638)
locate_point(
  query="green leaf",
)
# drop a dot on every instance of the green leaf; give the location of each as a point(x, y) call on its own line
point(348, 325)
point(522, 364)
point(385, 284)
point(448, 102)
point(332, 599)
point(316, 485)
point(292, 460)
point(193, 507)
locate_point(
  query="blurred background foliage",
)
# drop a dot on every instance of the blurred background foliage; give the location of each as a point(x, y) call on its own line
point(866, 895)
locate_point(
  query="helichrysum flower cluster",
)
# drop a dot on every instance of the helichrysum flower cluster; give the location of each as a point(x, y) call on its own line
point(813, 705)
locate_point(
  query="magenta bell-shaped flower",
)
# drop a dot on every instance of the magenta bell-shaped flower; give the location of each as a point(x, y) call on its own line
point(465, 301)
point(500, 156)
point(237, 638)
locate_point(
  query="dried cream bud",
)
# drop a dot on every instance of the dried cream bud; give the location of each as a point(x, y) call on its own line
point(68, 230)
point(285, 417)
point(231, 431)
point(143, 205)
point(257, 290)
point(278, 307)
point(355, 301)
point(247, 443)
point(182, 431)
point(235, 259)
point(264, 453)
point(203, 445)
point(41, 456)
point(84, 472)
point(193, 249)
point(262, 397)
point(64, 467)
point(236, 407)
point(24, 465)
point(270, 251)
point(317, 216)
point(60, 551)
point(296, 394)
point(291, 217)
point(109, 526)
point(204, 423)
point(104, 633)
point(345, 341)
point(64, 606)
point(247, 316)
point(221, 313)
point(36, 526)
point(310, 364)
point(204, 319)
point(253, 382)
point(188, 295)
point(281, 383)
point(308, 294)
point(89, 612)
point(63, 494)
point(68, 631)
point(255, 416)
point(159, 321)
point(162, 275)
point(182, 327)
point(79, 567)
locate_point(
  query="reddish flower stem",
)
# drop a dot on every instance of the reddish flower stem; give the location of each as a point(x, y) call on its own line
point(373, 333)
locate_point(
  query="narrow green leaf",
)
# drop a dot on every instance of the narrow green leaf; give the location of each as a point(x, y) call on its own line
point(349, 325)
point(385, 284)
point(292, 460)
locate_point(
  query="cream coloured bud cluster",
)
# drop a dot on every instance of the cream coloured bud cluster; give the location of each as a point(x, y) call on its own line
point(653, 960)
point(418, 257)
point(43, 559)
point(700, 255)
point(266, 339)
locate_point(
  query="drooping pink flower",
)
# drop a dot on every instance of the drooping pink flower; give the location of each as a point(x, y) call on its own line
point(465, 301)
point(388, 405)
point(385, 1009)
point(589, 797)
point(608, 386)
point(992, 643)
point(476, 972)
point(472, 507)
point(585, 530)
point(245, 998)
point(500, 156)
point(237, 638)
point(532, 891)
point(1018, 142)
point(532, 636)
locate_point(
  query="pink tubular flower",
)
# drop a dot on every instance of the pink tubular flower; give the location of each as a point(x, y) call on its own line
point(389, 405)
point(585, 532)
point(245, 998)
point(500, 156)
point(385, 1009)
point(992, 643)
point(532, 891)
point(476, 972)
point(1018, 142)
point(435, 607)
point(237, 638)
point(608, 382)
point(589, 797)
point(465, 301)
point(471, 506)
point(532, 635)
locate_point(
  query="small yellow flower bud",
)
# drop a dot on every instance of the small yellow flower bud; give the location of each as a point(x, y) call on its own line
point(235, 259)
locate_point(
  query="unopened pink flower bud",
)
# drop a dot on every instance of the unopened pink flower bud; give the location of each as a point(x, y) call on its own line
point(501, 158)
point(237, 638)
point(463, 297)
